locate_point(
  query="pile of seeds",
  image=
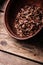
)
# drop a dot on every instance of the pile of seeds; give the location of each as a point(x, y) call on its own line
point(28, 20)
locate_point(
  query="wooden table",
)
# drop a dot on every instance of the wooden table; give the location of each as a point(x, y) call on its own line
point(30, 49)
point(7, 59)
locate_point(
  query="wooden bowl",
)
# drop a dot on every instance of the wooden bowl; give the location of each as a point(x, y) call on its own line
point(11, 11)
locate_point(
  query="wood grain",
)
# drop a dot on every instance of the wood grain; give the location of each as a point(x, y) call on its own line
point(7, 59)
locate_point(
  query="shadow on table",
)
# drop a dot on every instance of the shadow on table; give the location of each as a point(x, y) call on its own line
point(35, 41)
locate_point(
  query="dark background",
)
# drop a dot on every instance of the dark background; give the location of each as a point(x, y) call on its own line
point(1, 3)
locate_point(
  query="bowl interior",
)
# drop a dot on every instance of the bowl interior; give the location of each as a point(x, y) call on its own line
point(12, 9)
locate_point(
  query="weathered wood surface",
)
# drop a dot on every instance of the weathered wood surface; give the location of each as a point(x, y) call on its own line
point(29, 49)
point(7, 59)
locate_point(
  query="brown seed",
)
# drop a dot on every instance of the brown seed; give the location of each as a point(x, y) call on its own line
point(18, 15)
point(25, 21)
point(22, 9)
point(28, 20)
point(16, 25)
point(26, 16)
point(23, 26)
point(42, 21)
point(20, 22)
point(31, 33)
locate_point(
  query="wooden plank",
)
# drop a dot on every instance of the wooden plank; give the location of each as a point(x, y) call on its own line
point(14, 60)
